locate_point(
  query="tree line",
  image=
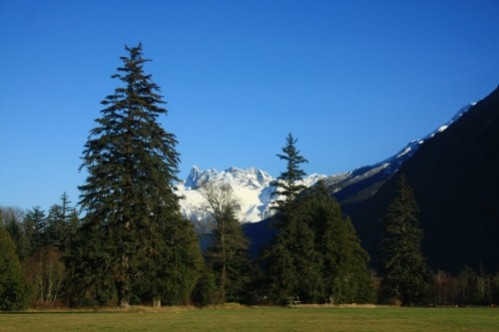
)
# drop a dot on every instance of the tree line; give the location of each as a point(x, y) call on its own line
point(127, 243)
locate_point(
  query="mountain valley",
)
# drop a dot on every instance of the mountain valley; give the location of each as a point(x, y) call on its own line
point(453, 172)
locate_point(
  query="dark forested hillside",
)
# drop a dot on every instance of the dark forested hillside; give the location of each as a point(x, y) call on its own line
point(455, 178)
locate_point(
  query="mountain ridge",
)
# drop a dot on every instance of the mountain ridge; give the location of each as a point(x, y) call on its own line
point(456, 184)
point(252, 188)
point(364, 181)
point(454, 175)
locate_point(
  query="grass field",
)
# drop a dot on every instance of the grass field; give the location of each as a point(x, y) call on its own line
point(257, 319)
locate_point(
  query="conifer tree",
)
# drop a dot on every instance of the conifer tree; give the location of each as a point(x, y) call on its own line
point(13, 223)
point(34, 223)
point(287, 183)
point(293, 265)
point(316, 254)
point(138, 244)
point(404, 270)
point(345, 272)
point(13, 291)
point(57, 225)
point(206, 289)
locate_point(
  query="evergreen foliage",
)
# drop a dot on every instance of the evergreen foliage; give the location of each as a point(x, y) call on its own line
point(89, 280)
point(13, 292)
point(206, 291)
point(293, 267)
point(133, 243)
point(57, 225)
point(287, 183)
point(34, 223)
point(316, 256)
point(292, 263)
point(345, 272)
point(405, 274)
point(13, 222)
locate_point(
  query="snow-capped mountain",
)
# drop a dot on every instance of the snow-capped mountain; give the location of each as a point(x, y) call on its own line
point(359, 191)
point(251, 188)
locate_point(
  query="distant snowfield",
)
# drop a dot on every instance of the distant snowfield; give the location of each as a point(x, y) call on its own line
point(251, 188)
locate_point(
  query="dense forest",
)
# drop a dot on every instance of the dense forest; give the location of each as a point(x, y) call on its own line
point(126, 243)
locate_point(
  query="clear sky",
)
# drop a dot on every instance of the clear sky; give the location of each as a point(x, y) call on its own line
point(354, 81)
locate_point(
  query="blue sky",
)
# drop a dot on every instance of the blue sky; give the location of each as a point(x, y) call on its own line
point(354, 81)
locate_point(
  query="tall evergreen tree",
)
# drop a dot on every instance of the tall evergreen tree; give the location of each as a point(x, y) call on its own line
point(287, 183)
point(293, 265)
point(128, 198)
point(316, 254)
point(13, 292)
point(405, 274)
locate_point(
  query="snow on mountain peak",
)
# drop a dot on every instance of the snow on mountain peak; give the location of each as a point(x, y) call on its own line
point(451, 121)
point(390, 165)
point(250, 187)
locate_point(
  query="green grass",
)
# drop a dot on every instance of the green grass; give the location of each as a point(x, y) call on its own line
point(257, 319)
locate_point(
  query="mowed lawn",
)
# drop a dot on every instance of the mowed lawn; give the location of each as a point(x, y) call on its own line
point(258, 319)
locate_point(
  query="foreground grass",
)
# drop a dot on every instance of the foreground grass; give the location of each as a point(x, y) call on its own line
point(257, 319)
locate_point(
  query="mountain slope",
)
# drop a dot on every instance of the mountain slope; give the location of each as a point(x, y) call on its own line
point(456, 183)
point(454, 174)
point(363, 183)
point(252, 189)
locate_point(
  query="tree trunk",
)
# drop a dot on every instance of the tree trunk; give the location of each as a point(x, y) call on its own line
point(156, 302)
point(123, 292)
point(124, 303)
point(223, 273)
